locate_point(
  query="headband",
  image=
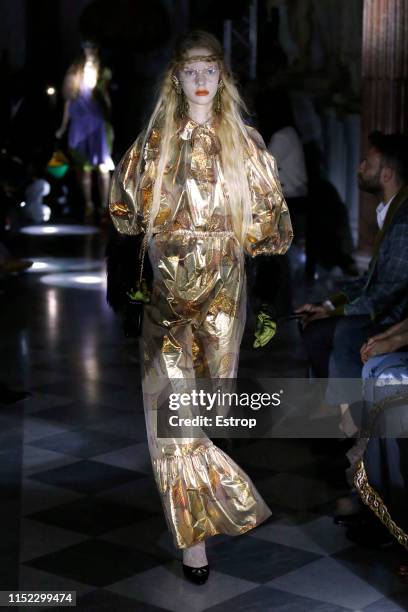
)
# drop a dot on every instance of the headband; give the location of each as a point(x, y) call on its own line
point(199, 58)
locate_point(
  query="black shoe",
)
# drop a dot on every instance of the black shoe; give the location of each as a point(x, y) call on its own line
point(370, 536)
point(352, 521)
point(197, 575)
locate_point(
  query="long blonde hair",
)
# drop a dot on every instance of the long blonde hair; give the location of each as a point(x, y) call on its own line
point(230, 128)
point(74, 75)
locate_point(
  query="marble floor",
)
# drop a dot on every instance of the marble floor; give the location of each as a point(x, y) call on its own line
point(79, 508)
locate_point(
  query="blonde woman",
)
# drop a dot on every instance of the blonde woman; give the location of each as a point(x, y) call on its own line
point(86, 112)
point(205, 189)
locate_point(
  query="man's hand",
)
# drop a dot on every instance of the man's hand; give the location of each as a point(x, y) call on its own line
point(265, 329)
point(312, 312)
point(374, 347)
point(389, 341)
point(400, 328)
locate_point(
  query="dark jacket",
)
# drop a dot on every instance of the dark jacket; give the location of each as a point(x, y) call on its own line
point(382, 291)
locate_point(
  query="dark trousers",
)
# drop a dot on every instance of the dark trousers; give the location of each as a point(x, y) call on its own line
point(333, 345)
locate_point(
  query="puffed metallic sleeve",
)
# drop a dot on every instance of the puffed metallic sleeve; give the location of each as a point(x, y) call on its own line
point(123, 201)
point(270, 232)
point(130, 198)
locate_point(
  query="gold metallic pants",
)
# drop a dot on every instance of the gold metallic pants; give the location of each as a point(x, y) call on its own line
point(193, 329)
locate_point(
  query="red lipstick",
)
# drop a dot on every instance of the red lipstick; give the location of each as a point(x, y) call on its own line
point(202, 92)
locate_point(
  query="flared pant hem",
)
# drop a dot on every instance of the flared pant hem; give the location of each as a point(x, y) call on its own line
point(205, 493)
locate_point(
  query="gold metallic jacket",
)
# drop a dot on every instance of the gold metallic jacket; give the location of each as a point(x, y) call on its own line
point(193, 194)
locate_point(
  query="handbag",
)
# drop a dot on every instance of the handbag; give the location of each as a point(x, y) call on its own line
point(128, 286)
point(136, 300)
point(137, 297)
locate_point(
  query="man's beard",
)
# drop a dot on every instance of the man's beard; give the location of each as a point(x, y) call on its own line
point(371, 185)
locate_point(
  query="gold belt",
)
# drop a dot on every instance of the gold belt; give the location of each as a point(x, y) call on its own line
point(197, 233)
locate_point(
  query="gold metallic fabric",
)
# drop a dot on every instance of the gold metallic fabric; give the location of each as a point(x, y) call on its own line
point(194, 323)
point(205, 493)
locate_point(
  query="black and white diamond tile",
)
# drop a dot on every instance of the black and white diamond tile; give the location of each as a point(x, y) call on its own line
point(41, 401)
point(42, 538)
point(94, 562)
point(263, 560)
point(139, 537)
point(89, 516)
point(296, 493)
point(86, 476)
point(77, 413)
point(33, 579)
point(266, 599)
point(319, 536)
point(396, 604)
point(83, 443)
point(123, 425)
point(329, 581)
point(177, 594)
point(105, 601)
point(141, 493)
point(37, 427)
point(380, 571)
point(135, 457)
point(80, 388)
point(37, 496)
point(38, 459)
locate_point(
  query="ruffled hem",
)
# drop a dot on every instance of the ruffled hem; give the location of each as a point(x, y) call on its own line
point(205, 493)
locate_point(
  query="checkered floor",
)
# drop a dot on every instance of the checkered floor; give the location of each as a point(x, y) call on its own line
point(80, 510)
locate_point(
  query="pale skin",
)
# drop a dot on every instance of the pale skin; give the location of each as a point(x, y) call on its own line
point(199, 81)
point(377, 178)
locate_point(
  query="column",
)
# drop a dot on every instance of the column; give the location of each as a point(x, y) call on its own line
point(384, 85)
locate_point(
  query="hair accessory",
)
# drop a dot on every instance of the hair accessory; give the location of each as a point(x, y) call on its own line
point(182, 104)
point(176, 84)
point(215, 57)
point(218, 99)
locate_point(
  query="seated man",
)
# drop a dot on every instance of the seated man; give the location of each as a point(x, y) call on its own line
point(335, 330)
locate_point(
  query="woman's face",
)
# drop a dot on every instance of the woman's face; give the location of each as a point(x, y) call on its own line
point(199, 79)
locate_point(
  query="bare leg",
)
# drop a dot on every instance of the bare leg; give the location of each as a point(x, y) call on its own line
point(347, 425)
point(86, 186)
point(103, 186)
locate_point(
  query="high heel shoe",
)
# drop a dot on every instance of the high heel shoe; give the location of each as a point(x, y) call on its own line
point(197, 575)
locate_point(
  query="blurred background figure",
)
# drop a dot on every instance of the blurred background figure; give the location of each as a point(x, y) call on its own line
point(86, 115)
point(35, 209)
point(328, 236)
point(277, 126)
point(320, 219)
